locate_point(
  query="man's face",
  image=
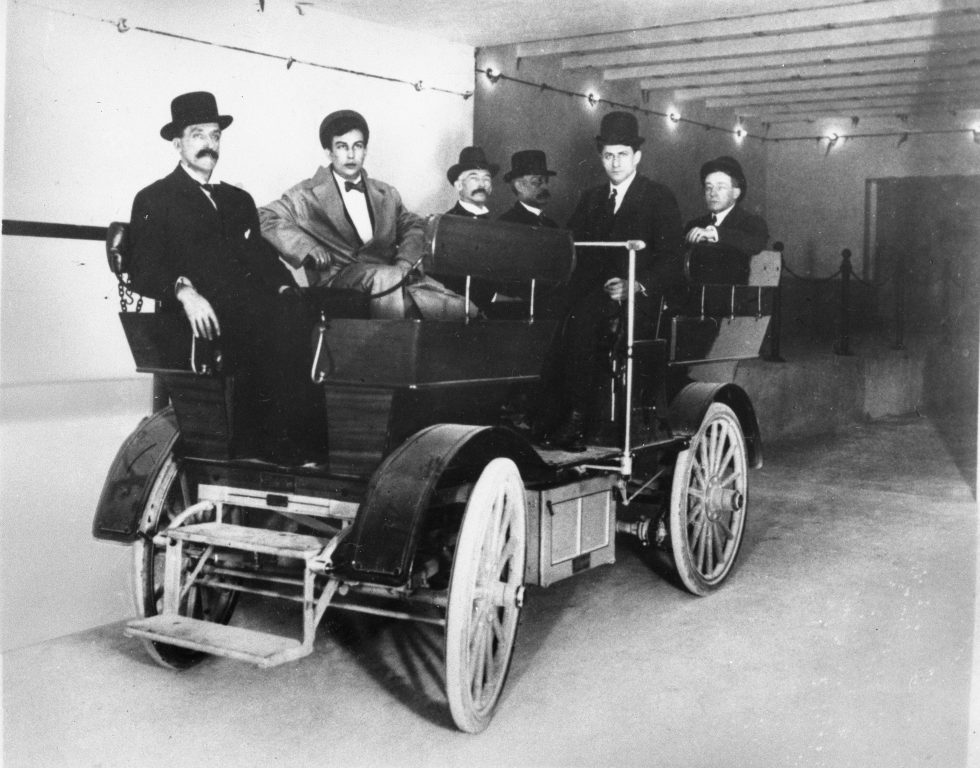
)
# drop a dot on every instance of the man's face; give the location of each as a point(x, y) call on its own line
point(347, 153)
point(719, 192)
point(532, 190)
point(474, 187)
point(199, 146)
point(620, 160)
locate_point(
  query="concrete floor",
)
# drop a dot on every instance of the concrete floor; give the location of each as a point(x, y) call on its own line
point(843, 639)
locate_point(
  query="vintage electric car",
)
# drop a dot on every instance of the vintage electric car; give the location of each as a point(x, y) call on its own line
point(433, 504)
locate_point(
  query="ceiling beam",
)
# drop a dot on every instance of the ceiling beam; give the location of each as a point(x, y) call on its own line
point(867, 36)
point(949, 61)
point(868, 113)
point(904, 49)
point(939, 102)
point(596, 42)
point(816, 85)
point(764, 23)
point(841, 94)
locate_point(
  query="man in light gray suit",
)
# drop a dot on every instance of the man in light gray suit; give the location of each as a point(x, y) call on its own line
point(347, 230)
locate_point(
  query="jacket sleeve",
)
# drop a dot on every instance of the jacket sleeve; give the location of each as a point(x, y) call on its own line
point(283, 227)
point(662, 262)
point(262, 256)
point(411, 232)
point(153, 271)
point(750, 237)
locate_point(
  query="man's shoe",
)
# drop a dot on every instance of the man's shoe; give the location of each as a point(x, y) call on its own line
point(570, 434)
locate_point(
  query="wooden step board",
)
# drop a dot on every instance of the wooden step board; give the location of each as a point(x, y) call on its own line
point(241, 537)
point(260, 648)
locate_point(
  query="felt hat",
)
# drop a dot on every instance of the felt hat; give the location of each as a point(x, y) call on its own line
point(619, 128)
point(340, 122)
point(729, 165)
point(193, 109)
point(528, 162)
point(471, 159)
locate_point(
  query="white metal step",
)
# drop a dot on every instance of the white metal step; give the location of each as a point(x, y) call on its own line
point(300, 546)
point(261, 648)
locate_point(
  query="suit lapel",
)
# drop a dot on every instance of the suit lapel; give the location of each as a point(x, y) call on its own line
point(327, 193)
point(191, 193)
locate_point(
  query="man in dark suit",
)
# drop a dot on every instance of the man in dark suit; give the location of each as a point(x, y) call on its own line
point(346, 229)
point(472, 178)
point(196, 247)
point(528, 178)
point(628, 206)
point(728, 233)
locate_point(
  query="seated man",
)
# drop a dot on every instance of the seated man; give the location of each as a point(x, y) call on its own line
point(348, 230)
point(472, 178)
point(627, 206)
point(196, 247)
point(528, 178)
point(727, 229)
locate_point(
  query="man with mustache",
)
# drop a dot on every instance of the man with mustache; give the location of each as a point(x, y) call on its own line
point(472, 177)
point(528, 178)
point(196, 247)
point(347, 229)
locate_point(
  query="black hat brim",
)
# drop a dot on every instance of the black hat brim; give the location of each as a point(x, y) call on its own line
point(454, 172)
point(173, 129)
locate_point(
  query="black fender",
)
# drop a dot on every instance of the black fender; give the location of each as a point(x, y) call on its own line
point(131, 476)
point(381, 544)
point(687, 409)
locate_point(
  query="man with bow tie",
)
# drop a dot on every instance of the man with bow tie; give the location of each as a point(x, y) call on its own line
point(195, 246)
point(346, 229)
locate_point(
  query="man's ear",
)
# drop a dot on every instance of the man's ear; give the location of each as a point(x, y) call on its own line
point(639, 156)
point(736, 192)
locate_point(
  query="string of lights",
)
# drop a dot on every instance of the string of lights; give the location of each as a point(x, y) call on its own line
point(739, 133)
point(832, 139)
point(123, 26)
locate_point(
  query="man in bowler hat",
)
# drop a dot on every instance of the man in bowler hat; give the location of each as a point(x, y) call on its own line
point(528, 178)
point(627, 206)
point(347, 229)
point(196, 247)
point(472, 178)
point(727, 227)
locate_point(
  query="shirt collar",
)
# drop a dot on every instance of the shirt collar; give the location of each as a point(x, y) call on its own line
point(531, 208)
point(341, 179)
point(474, 209)
point(720, 216)
point(213, 181)
point(623, 186)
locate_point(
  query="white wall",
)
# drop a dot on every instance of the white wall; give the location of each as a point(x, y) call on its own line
point(84, 105)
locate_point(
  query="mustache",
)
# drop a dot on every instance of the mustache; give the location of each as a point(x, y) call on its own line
point(543, 194)
point(204, 152)
point(480, 191)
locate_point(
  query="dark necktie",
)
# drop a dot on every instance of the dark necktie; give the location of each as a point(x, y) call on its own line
point(358, 185)
point(714, 220)
point(209, 188)
point(611, 202)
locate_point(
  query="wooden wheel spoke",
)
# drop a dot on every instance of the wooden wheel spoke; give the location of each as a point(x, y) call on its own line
point(481, 617)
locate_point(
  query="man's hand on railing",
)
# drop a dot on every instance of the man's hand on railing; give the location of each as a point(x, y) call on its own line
point(615, 288)
point(203, 320)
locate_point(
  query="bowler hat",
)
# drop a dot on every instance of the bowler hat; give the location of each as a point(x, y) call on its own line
point(528, 162)
point(193, 109)
point(340, 122)
point(619, 128)
point(728, 165)
point(471, 159)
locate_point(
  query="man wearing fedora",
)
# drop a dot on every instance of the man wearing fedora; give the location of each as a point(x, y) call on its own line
point(472, 177)
point(347, 229)
point(727, 227)
point(196, 247)
point(627, 206)
point(528, 178)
